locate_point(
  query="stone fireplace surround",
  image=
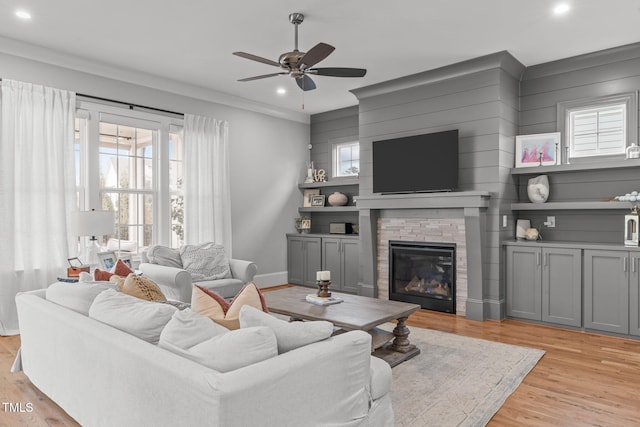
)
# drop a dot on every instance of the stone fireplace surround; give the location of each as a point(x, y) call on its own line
point(456, 217)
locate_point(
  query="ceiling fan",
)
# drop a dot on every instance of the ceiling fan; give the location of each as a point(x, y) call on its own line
point(298, 64)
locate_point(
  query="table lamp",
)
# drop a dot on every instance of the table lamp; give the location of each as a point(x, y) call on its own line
point(93, 223)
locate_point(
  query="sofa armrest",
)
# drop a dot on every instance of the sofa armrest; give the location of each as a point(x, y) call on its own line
point(380, 378)
point(243, 270)
point(174, 282)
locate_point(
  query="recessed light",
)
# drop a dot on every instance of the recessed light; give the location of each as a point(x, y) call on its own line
point(281, 91)
point(561, 8)
point(23, 14)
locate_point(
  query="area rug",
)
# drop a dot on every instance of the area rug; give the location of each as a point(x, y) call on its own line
point(456, 380)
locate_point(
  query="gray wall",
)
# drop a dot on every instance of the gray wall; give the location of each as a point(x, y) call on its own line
point(543, 86)
point(267, 156)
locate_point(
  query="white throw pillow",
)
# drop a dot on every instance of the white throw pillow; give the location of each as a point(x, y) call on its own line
point(207, 261)
point(76, 296)
point(163, 255)
point(188, 328)
point(231, 350)
point(290, 335)
point(143, 319)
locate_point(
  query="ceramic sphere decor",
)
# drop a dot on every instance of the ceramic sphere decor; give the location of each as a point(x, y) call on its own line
point(538, 189)
point(338, 199)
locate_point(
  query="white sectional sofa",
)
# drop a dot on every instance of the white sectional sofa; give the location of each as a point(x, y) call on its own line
point(102, 376)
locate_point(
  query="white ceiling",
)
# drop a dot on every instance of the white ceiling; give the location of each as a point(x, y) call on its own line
point(192, 41)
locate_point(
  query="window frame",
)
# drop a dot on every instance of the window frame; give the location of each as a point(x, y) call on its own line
point(335, 158)
point(630, 102)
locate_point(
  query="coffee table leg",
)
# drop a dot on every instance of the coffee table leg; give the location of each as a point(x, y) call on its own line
point(401, 341)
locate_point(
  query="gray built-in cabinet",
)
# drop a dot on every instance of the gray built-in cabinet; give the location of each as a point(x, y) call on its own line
point(544, 283)
point(308, 254)
point(590, 286)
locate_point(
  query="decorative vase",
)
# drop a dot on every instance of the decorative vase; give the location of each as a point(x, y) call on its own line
point(338, 199)
point(538, 189)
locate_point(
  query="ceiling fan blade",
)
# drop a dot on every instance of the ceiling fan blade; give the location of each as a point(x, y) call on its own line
point(257, 58)
point(264, 76)
point(338, 72)
point(305, 83)
point(315, 55)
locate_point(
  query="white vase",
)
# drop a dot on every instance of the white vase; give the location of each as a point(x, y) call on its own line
point(538, 189)
point(338, 199)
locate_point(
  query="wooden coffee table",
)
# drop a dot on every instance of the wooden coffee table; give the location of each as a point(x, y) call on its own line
point(354, 313)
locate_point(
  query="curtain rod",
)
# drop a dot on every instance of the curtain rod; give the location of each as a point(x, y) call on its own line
point(130, 105)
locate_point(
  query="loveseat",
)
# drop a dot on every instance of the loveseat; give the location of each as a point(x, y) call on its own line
point(103, 376)
point(164, 266)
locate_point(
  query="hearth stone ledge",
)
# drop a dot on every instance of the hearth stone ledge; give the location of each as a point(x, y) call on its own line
point(472, 205)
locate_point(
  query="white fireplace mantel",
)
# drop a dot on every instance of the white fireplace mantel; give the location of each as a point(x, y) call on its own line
point(457, 199)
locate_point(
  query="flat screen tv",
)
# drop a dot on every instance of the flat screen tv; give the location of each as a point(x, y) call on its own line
point(420, 163)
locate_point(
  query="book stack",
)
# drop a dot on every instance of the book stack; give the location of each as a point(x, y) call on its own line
point(315, 299)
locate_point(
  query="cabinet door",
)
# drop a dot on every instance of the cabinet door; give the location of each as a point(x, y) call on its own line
point(524, 282)
point(350, 265)
point(562, 286)
point(634, 295)
point(331, 261)
point(606, 290)
point(295, 260)
point(312, 260)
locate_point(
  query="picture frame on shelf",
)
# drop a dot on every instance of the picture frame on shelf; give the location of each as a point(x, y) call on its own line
point(317, 200)
point(126, 258)
point(107, 259)
point(541, 149)
point(308, 194)
point(305, 225)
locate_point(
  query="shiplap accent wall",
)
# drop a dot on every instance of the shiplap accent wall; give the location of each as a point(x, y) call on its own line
point(543, 86)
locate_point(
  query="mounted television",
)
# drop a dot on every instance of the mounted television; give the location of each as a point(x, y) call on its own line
point(420, 163)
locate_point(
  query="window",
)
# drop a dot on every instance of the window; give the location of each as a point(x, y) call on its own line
point(130, 162)
point(346, 159)
point(598, 127)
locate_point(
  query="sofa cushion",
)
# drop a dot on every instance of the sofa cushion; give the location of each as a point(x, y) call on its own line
point(76, 296)
point(207, 261)
point(102, 275)
point(141, 287)
point(199, 339)
point(211, 304)
point(143, 319)
point(290, 335)
point(163, 255)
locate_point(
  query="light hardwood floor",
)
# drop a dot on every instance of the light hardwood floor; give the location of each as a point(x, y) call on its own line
point(583, 379)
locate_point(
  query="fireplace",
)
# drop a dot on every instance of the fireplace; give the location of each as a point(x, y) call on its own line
point(423, 273)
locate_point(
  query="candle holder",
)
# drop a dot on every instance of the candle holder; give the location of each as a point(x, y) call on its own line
point(323, 288)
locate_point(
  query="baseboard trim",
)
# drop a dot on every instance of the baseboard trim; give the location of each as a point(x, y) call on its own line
point(270, 279)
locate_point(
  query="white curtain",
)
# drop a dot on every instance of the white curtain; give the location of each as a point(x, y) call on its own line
point(207, 199)
point(37, 190)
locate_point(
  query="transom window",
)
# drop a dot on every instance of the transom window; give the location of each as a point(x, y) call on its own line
point(346, 159)
point(598, 127)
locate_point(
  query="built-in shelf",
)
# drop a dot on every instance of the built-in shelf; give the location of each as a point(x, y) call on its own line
point(328, 209)
point(336, 183)
point(619, 164)
point(550, 206)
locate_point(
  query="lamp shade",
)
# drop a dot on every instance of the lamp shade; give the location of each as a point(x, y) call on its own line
point(93, 223)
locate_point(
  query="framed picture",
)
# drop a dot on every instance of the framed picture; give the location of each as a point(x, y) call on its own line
point(75, 262)
point(107, 260)
point(308, 193)
point(127, 260)
point(305, 224)
point(317, 200)
point(542, 149)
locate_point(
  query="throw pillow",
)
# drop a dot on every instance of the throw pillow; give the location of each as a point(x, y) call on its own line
point(290, 335)
point(143, 319)
point(75, 296)
point(101, 275)
point(227, 351)
point(188, 328)
point(207, 261)
point(211, 304)
point(141, 287)
point(121, 269)
point(163, 255)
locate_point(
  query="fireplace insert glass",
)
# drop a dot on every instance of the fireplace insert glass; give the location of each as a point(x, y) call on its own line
point(423, 273)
